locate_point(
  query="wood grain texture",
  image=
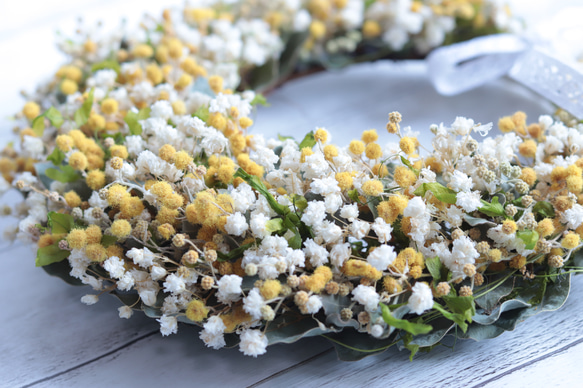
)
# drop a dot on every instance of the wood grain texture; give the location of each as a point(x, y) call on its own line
point(51, 339)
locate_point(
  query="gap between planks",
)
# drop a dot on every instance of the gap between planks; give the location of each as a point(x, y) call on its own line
point(529, 363)
point(109, 353)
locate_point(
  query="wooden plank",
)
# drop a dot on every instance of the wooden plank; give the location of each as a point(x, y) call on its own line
point(561, 369)
point(470, 362)
point(183, 360)
point(46, 329)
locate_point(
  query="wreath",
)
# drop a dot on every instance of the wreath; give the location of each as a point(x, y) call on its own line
point(141, 178)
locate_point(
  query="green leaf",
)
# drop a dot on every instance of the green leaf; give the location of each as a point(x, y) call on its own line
point(54, 117)
point(435, 267)
point(463, 309)
point(106, 64)
point(403, 324)
point(457, 318)
point(49, 255)
point(494, 209)
point(202, 113)
point(64, 174)
point(259, 99)
point(284, 138)
point(544, 209)
point(408, 164)
point(368, 3)
point(133, 119)
point(442, 193)
point(300, 202)
point(107, 240)
point(461, 305)
point(82, 114)
point(38, 125)
point(353, 195)
point(308, 141)
point(57, 156)
point(274, 225)
point(296, 241)
point(51, 114)
point(256, 183)
point(60, 223)
point(530, 238)
point(235, 253)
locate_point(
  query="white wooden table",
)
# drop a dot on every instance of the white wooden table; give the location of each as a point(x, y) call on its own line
point(50, 339)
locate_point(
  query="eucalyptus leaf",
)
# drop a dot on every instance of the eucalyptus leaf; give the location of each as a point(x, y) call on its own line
point(475, 221)
point(351, 345)
point(40, 169)
point(286, 329)
point(62, 270)
point(127, 298)
point(494, 292)
point(481, 332)
point(201, 85)
point(493, 316)
point(433, 337)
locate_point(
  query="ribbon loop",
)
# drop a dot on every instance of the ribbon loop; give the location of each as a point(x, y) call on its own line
point(463, 66)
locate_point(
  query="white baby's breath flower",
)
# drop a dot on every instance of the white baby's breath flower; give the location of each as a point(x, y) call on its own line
point(125, 312)
point(236, 224)
point(421, 300)
point(314, 304)
point(253, 343)
point(366, 296)
point(168, 325)
point(381, 257)
point(89, 299)
point(229, 288)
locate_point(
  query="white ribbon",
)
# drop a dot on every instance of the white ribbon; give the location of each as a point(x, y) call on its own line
point(463, 66)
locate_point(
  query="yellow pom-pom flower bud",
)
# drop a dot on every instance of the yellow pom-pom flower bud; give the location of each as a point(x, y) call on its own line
point(373, 151)
point(78, 161)
point(372, 188)
point(121, 228)
point(77, 239)
point(31, 110)
point(69, 87)
point(196, 311)
point(570, 241)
